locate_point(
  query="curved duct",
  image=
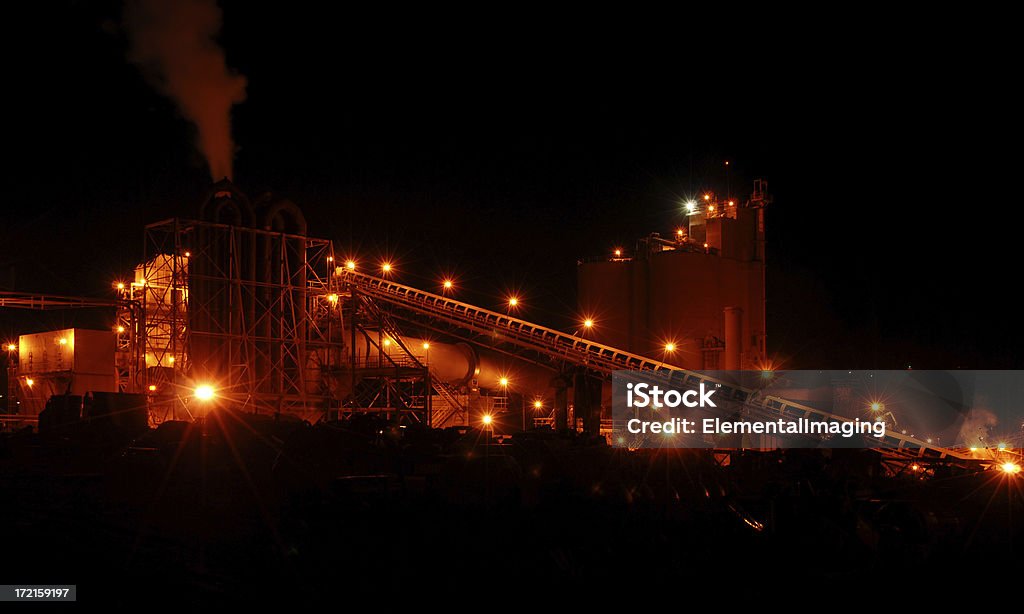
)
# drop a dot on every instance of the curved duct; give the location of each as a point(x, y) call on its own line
point(283, 216)
point(226, 204)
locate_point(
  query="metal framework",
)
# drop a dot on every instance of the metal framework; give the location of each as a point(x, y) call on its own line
point(251, 312)
point(395, 382)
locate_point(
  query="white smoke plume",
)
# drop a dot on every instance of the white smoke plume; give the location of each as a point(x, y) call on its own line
point(174, 43)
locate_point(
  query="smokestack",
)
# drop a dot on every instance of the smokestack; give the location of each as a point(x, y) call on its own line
point(173, 42)
point(733, 334)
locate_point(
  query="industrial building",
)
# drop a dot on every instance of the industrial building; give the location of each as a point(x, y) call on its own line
point(242, 309)
point(696, 298)
point(244, 302)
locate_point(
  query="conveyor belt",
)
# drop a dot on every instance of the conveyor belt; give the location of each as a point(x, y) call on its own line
point(477, 325)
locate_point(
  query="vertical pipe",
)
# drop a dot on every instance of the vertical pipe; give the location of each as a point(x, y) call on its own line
point(561, 404)
point(733, 338)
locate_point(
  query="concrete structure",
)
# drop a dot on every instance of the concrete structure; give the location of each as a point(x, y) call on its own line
point(697, 300)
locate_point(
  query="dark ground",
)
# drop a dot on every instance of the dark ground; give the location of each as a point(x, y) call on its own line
point(253, 511)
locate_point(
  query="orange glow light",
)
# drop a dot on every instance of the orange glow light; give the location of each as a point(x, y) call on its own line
point(30, 382)
point(205, 392)
point(426, 345)
point(11, 347)
point(503, 382)
point(670, 347)
point(63, 341)
point(448, 284)
point(588, 323)
point(487, 419)
point(152, 387)
point(618, 253)
point(707, 197)
point(513, 301)
point(386, 267)
point(350, 265)
point(120, 285)
point(538, 404)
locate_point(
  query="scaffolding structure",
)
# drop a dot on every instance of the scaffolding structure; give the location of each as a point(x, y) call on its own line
point(249, 311)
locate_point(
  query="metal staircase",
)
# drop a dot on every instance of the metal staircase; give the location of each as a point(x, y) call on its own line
point(454, 407)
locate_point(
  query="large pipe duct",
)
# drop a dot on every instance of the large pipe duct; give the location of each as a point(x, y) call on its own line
point(460, 364)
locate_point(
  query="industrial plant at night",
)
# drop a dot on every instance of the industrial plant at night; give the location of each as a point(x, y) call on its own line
point(461, 346)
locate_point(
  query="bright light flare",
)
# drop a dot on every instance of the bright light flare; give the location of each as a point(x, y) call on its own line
point(11, 347)
point(387, 343)
point(120, 329)
point(205, 392)
point(332, 298)
point(707, 197)
point(487, 419)
point(386, 267)
point(30, 382)
point(350, 265)
point(618, 253)
point(503, 382)
point(170, 359)
point(538, 404)
point(670, 347)
point(588, 323)
point(876, 406)
point(691, 206)
point(1010, 468)
point(679, 232)
point(513, 301)
point(426, 345)
point(120, 285)
point(152, 387)
point(63, 341)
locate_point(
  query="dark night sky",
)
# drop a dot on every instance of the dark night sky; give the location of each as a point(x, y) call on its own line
point(504, 156)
